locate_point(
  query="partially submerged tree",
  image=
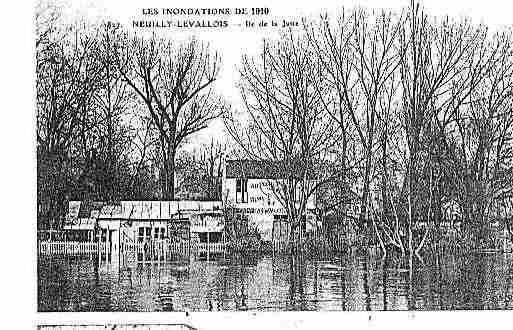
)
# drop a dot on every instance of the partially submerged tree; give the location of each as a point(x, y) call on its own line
point(478, 131)
point(445, 71)
point(288, 131)
point(358, 54)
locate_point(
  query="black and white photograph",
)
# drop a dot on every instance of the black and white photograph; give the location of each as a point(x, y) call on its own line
point(261, 158)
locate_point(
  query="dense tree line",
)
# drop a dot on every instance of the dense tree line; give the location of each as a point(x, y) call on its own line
point(113, 110)
point(398, 112)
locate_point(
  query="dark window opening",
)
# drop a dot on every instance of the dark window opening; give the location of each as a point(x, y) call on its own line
point(78, 235)
point(281, 228)
point(241, 190)
point(141, 234)
point(214, 237)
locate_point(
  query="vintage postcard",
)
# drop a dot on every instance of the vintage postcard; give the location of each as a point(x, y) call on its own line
point(261, 158)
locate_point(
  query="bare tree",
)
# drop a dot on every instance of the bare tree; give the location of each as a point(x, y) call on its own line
point(332, 51)
point(288, 131)
point(65, 87)
point(359, 56)
point(200, 172)
point(438, 72)
point(212, 160)
point(66, 81)
point(176, 84)
point(111, 103)
point(142, 150)
point(478, 131)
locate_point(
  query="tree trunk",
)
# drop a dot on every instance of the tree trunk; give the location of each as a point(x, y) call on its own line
point(345, 187)
point(384, 177)
point(411, 198)
point(171, 177)
point(364, 218)
point(365, 197)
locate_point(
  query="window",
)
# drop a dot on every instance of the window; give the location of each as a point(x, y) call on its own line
point(162, 233)
point(141, 234)
point(241, 190)
point(156, 233)
point(281, 228)
point(213, 237)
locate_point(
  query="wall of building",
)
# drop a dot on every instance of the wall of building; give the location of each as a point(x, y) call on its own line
point(262, 206)
point(260, 195)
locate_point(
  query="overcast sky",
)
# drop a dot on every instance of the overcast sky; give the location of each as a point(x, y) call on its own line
point(233, 42)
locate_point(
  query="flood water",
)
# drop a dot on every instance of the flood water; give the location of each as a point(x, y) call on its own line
point(352, 282)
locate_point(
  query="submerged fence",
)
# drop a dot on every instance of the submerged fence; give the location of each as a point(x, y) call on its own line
point(164, 246)
point(70, 247)
point(157, 247)
point(317, 240)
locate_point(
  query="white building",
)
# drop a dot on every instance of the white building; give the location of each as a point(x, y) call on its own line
point(248, 188)
point(142, 221)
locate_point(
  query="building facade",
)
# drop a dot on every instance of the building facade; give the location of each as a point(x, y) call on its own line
point(251, 189)
point(144, 221)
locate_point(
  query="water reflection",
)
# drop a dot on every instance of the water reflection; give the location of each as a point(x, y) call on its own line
point(355, 281)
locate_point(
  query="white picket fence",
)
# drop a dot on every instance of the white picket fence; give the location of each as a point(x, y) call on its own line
point(160, 247)
point(209, 247)
point(72, 248)
point(165, 246)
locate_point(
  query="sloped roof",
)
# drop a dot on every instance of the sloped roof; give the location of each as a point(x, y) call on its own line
point(156, 210)
point(263, 169)
point(86, 207)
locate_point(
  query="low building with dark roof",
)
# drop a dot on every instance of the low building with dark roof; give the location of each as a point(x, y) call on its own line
point(144, 221)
